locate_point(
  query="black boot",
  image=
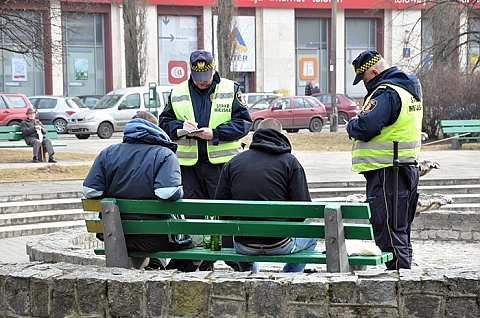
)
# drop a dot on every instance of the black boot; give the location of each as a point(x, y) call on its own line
point(52, 159)
point(35, 159)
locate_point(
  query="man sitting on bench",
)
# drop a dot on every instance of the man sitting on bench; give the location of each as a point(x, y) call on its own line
point(33, 131)
point(143, 166)
point(267, 172)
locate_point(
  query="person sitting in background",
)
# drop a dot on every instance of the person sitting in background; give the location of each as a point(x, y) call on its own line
point(31, 128)
point(277, 176)
point(143, 166)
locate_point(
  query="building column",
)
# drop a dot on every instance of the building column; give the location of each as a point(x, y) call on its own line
point(57, 50)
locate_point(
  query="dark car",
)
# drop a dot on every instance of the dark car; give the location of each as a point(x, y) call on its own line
point(294, 112)
point(90, 100)
point(13, 108)
point(347, 107)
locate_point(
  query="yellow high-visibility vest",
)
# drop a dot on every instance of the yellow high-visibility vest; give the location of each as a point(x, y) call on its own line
point(220, 113)
point(378, 152)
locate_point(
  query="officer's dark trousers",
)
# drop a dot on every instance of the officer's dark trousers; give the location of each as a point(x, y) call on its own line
point(379, 193)
point(200, 182)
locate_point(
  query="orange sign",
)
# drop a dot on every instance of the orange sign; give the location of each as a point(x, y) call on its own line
point(308, 68)
point(177, 72)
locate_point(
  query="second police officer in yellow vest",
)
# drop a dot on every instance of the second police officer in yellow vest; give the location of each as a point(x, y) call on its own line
point(392, 111)
point(216, 108)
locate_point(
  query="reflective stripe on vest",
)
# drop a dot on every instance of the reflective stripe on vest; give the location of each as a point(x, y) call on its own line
point(378, 152)
point(220, 113)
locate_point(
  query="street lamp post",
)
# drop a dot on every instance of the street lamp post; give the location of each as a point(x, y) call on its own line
point(333, 70)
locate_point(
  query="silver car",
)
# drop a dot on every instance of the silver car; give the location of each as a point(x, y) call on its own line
point(56, 110)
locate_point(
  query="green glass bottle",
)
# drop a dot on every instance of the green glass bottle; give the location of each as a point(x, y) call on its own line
point(216, 242)
point(216, 239)
point(207, 241)
point(207, 238)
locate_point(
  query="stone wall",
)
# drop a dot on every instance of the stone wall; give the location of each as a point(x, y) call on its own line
point(68, 290)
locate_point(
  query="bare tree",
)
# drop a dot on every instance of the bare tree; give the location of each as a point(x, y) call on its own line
point(135, 39)
point(450, 35)
point(27, 32)
point(226, 12)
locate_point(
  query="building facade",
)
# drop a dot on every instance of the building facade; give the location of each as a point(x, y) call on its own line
point(279, 44)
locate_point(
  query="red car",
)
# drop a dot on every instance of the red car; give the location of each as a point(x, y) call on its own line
point(294, 112)
point(13, 108)
point(347, 107)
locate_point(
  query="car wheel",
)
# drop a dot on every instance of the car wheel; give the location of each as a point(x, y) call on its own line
point(105, 131)
point(60, 126)
point(256, 123)
point(82, 136)
point(14, 123)
point(315, 125)
point(342, 118)
point(292, 130)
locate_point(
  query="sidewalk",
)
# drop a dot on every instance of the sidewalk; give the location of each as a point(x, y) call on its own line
point(319, 166)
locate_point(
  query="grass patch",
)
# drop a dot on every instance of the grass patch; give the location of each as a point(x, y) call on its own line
point(325, 141)
point(53, 172)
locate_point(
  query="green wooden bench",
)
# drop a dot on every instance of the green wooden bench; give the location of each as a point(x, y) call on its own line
point(333, 229)
point(462, 130)
point(14, 133)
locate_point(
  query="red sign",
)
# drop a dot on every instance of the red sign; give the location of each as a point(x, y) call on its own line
point(177, 72)
point(307, 4)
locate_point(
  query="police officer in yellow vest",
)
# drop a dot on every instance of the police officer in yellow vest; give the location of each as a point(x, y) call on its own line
point(392, 111)
point(217, 109)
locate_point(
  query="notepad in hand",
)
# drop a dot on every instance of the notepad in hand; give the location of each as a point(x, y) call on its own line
point(183, 132)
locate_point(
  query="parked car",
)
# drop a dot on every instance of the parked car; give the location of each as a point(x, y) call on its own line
point(13, 108)
point(113, 111)
point(294, 112)
point(56, 110)
point(347, 107)
point(90, 100)
point(251, 98)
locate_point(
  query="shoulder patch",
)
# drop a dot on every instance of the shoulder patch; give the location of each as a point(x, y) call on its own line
point(241, 99)
point(370, 106)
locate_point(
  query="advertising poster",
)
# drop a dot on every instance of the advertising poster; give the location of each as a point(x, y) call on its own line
point(81, 69)
point(19, 70)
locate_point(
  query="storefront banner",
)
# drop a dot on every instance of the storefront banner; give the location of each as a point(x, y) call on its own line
point(310, 4)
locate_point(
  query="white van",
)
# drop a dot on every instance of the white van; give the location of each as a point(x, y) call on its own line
point(115, 109)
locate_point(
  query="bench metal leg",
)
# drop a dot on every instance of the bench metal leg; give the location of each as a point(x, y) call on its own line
point(456, 144)
point(115, 248)
point(337, 258)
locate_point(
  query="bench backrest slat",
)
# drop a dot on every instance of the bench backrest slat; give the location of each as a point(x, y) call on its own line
point(278, 209)
point(460, 122)
point(14, 133)
point(241, 228)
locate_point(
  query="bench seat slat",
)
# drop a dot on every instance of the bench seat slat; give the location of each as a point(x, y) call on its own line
point(233, 208)
point(229, 254)
point(239, 228)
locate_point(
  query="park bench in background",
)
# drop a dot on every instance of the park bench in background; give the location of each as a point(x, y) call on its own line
point(462, 129)
point(14, 133)
point(333, 229)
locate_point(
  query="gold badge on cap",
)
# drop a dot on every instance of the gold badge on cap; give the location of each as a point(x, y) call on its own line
point(241, 99)
point(201, 65)
point(370, 106)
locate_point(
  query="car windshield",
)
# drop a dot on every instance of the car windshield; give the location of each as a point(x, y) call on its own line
point(263, 103)
point(75, 102)
point(349, 98)
point(107, 101)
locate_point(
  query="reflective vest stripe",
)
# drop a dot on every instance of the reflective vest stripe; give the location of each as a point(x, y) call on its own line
point(220, 113)
point(387, 145)
point(378, 152)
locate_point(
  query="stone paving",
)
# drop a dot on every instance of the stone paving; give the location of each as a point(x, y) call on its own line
point(319, 166)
